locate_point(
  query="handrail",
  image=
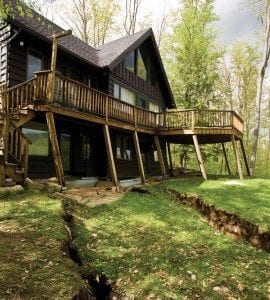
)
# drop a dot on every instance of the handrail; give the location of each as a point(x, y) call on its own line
point(75, 95)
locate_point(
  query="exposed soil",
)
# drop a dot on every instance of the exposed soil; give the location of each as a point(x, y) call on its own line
point(229, 223)
point(97, 286)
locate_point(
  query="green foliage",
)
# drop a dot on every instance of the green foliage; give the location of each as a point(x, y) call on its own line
point(193, 58)
point(152, 247)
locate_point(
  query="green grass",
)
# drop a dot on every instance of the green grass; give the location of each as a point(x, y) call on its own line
point(250, 199)
point(33, 265)
point(152, 247)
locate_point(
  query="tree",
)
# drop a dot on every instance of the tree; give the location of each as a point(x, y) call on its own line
point(90, 20)
point(260, 82)
point(131, 15)
point(193, 57)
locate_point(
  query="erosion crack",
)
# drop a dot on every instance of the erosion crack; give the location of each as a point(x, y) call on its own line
point(97, 285)
point(230, 223)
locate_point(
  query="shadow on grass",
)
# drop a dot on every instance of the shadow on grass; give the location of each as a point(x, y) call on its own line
point(147, 244)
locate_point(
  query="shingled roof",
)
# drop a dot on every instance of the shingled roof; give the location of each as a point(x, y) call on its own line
point(108, 55)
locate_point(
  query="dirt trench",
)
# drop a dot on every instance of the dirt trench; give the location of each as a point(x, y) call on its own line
point(229, 223)
point(97, 286)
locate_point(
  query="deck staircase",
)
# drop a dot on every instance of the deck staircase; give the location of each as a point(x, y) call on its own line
point(14, 145)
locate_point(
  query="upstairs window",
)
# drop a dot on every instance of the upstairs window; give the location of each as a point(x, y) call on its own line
point(137, 64)
point(34, 63)
point(127, 96)
point(141, 68)
point(123, 148)
point(154, 107)
point(130, 62)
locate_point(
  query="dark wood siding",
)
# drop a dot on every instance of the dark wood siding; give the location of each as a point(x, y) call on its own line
point(5, 33)
point(66, 64)
point(123, 76)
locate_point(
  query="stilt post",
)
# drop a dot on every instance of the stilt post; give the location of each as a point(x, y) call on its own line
point(110, 156)
point(55, 148)
point(199, 155)
point(139, 156)
point(235, 150)
point(160, 157)
point(245, 157)
point(170, 157)
point(226, 159)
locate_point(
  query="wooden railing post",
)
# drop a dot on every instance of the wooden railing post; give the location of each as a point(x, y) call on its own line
point(199, 155)
point(110, 156)
point(55, 148)
point(107, 109)
point(193, 120)
point(135, 113)
point(235, 150)
point(139, 156)
point(160, 157)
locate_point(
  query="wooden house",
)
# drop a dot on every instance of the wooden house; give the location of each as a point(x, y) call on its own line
point(92, 112)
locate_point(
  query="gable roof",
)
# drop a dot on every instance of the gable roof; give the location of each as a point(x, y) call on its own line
point(106, 56)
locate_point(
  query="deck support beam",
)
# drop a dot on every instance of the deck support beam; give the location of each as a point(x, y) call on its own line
point(110, 156)
point(139, 156)
point(170, 157)
point(160, 157)
point(245, 157)
point(235, 150)
point(55, 149)
point(226, 159)
point(199, 155)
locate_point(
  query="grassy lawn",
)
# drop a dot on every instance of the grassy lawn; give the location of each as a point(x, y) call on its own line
point(250, 199)
point(33, 265)
point(154, 248)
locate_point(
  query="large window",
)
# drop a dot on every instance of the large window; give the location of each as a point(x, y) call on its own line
point(141, 68)
point(34, 63)
point(123, 147)
point(38, 135)
point(154, 107)
point(130, 62)
point(135, 63)
point(127, 96)
point(123, 94)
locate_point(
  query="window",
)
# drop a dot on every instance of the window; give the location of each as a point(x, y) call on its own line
point(38, 135)
point(34, 63)
point(155, 156)
point(76, 76)
point(141, 69)
point(154, 107)
point(130, 62)
point(143, 103)
point(123, 148)
point(116, 91)
point(127, 96)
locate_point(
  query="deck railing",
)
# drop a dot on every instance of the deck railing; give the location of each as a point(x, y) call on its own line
point(71, 94)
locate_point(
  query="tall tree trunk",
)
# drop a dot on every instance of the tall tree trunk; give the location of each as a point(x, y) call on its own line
point(261, 76)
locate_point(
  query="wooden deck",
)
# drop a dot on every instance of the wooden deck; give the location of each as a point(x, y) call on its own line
point(53, 94)
point(73, 99)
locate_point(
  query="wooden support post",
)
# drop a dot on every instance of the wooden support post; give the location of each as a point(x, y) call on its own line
point(170, 157)
point(139, 156)
point(199, 155)
point(51, 78)
point(245, 157)
point(110, 156)
point(237, 157)
point(55, 149)
point(160, 157)
point(226, 159)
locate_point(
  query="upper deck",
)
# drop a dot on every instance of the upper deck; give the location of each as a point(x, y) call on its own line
point(62, 95)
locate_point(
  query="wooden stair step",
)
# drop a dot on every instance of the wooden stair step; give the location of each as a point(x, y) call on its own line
point(9, 164)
